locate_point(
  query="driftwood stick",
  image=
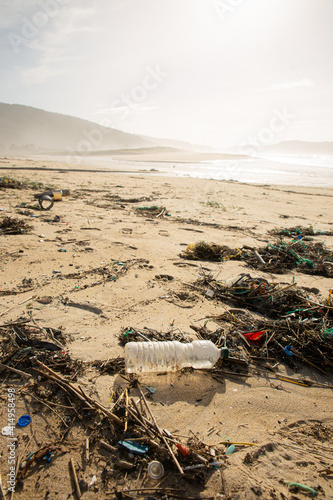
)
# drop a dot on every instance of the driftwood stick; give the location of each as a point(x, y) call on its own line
point(160, 490)
point(64, 384)
point(77, 486)
point(37, 455)
point(108, 447)
point(137, 409)
point(146, 429)
point(49, 370)
point(119, 399)
point(87, 449)
point(160, 432)
point(20, 303)
point(103, 409)
point(50, 408)
point(84, 398)
point(258, 256)
point(126, 410)
point(15, 370)
point(148, 425)
point(59, 344)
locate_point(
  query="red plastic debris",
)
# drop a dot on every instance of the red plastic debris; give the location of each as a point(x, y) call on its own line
point(254, 336)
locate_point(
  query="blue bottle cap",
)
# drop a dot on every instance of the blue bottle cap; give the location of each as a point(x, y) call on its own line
point(24, 420)
point(288, 350)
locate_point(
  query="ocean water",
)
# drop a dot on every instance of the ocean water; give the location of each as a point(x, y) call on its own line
point(280, 170)
point(314, 171)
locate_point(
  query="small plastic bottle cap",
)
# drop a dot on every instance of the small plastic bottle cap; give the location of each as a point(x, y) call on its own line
point(24, 420)
point(155, 469)
point(224, 352)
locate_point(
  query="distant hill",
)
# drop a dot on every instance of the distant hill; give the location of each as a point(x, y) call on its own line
point(28, 130)
point(285, 148)
point(301, 148)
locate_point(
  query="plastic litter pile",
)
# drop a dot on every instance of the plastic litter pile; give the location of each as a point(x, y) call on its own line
point(285, 315)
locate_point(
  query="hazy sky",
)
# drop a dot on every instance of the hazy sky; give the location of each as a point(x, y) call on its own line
point(216, 72)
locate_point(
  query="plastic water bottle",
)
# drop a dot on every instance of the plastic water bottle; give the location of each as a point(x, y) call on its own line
point(172, 355)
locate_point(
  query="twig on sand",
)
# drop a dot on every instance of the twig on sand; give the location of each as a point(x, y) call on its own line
point(20, 303)
point(77, 486)
point(160, 431)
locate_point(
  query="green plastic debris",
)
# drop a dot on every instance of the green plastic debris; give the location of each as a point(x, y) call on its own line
point(125, 334)
point(303, 487)
point(152, 207)
point(230, 449)
point(327, 333)
point(152, 390)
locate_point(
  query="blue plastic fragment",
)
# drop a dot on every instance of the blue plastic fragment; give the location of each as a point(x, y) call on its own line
point(48, 456)
point(134, 447)
point(288, 350)
point(24, 420)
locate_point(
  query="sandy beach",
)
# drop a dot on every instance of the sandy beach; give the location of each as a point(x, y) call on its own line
point(53, 275)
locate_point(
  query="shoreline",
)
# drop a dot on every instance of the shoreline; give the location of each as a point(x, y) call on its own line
point(317, 178)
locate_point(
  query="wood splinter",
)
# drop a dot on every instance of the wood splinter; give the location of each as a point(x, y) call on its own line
point(87, 449)
point(77, 486)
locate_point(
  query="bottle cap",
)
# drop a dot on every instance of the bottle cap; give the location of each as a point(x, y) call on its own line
point(155, 469)
point(224, 352)
point(24, 420)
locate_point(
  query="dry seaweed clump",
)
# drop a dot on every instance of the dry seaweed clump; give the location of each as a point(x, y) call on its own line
point(290, 326)
point(297, 231)
point(306, 257)
point(10, 225)
point(254, 293)
point(9, 183)
point(152, 211)
point(210, 251)
point(130, 334)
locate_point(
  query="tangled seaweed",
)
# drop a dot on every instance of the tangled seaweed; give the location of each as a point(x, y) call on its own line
point(10, 225)
point(289, 317)
point(210, 251)
point(306, 257)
